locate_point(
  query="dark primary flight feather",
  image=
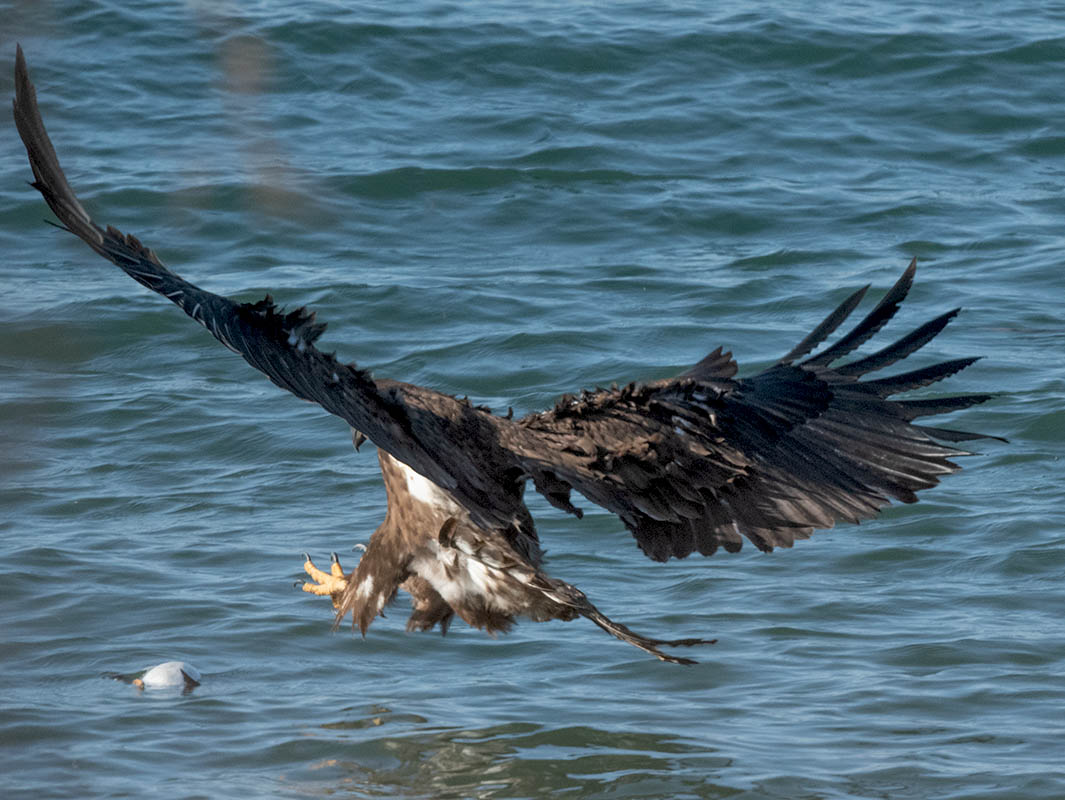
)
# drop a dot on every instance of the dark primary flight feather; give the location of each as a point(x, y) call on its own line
point(689, 464)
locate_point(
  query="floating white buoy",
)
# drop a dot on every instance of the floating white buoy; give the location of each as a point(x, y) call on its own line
point(169, 675)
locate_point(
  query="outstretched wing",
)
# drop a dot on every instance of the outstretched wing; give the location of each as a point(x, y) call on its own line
point(399, 418)
point(693, 463)
point(688, 464)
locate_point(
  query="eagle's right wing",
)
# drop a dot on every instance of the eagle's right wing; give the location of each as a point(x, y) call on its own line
point(699, 461)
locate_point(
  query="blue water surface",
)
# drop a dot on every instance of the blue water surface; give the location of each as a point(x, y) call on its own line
point(511, 201)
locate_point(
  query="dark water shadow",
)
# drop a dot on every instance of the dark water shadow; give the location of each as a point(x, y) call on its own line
point(516, 759)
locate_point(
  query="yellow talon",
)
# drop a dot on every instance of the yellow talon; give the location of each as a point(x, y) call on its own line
point(332, 583)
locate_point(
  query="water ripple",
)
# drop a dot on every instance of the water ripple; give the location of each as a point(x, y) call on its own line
point(512, 201)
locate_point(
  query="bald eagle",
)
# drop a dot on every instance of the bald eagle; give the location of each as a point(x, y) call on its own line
point(689, 464)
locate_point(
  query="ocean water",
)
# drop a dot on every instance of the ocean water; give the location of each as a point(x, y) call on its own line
point(513, 201)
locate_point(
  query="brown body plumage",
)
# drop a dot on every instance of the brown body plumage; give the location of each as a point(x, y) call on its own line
point(689, 464)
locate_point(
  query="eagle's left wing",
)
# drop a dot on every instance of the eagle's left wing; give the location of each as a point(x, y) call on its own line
point(412, 423)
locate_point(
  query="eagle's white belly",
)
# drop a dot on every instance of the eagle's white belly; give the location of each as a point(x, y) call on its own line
point(471, 568)
point(460, 578)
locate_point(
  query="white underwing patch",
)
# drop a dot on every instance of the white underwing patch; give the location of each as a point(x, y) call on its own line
point(425, 491)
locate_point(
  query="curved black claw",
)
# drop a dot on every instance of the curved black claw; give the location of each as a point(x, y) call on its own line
point(306, 556)
point(334, 558)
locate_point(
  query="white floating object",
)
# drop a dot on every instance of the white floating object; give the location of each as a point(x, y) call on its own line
point(169, 675)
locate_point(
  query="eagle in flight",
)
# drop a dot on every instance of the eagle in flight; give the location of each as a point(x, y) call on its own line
point(689, 464)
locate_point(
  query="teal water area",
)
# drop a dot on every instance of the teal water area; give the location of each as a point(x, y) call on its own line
point(514, 201)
